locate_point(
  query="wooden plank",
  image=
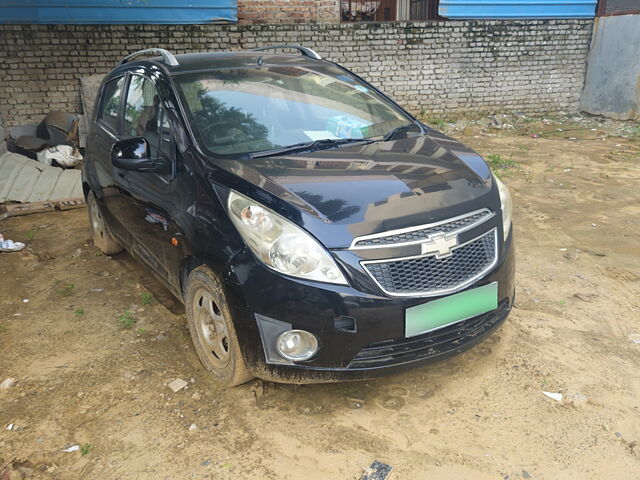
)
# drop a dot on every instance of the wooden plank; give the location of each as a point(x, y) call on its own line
point(19, 209)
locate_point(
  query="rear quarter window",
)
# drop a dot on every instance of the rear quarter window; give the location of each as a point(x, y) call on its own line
point(110, 106)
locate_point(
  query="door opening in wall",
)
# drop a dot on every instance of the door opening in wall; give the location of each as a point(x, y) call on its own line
point(388, 10)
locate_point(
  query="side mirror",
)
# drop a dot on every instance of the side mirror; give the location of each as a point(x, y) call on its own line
point(133, 154)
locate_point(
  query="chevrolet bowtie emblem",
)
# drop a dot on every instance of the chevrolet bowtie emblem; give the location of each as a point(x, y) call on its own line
point(439, 244)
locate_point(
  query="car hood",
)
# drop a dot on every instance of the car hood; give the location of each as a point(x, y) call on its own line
point(369, 188)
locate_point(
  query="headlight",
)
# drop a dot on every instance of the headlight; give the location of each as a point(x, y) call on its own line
point(280, 244)
point(507, 206)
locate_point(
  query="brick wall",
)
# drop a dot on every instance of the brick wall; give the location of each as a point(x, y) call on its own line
point(288, 11)
point(439, 68)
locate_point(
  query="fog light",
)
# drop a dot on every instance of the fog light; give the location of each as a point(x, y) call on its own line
point(297, 345)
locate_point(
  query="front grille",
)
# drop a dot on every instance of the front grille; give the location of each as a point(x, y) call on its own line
point(423, 233)
point(429, 275)
point(432, 344)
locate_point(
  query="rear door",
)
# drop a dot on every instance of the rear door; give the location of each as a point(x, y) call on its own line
point(104, 135)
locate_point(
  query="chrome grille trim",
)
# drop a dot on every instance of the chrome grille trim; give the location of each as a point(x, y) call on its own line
point(484, 215)
point(443, 291)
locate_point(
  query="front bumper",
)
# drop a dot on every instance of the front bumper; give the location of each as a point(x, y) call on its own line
point(376, 346)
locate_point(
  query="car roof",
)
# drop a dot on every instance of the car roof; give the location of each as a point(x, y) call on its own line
point(193, 62)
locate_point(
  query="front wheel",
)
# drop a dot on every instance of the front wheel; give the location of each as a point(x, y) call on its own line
point(102, 237)
point(212, 330)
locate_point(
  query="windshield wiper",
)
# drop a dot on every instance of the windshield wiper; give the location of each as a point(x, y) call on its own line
point(321, 144)
point(398, 130)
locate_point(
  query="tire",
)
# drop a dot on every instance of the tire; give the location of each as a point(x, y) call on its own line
point(102, 237)
point(211, 328)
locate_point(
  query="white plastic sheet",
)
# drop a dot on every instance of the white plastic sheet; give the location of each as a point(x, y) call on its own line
point(64, 155)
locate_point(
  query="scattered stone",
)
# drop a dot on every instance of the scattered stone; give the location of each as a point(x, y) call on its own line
point(72, 448)
point(525, 474)
point(25, 300)
point(206, 463)
point(177, 385)
point(26, 471)
point(193, 427)
point(586, 297)
point(196, 396)
point(10, 426)
point(161, 337)
point(129, 375)
point(7, 383)
point(258, 390)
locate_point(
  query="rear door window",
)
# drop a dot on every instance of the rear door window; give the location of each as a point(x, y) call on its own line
point(110, 106)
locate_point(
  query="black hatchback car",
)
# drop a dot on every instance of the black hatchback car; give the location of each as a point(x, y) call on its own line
point(314, 230)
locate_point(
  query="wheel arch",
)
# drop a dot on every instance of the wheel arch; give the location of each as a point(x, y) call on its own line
point(189, 264)
point(225, 273)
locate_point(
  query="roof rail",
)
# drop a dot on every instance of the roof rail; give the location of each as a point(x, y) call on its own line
point(167, 56)
point(307, 52)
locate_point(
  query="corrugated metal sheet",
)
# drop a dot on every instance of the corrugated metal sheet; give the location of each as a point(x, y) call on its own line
point(469, 9)
point(118, 11)
point(610, 7)
point(25, 180)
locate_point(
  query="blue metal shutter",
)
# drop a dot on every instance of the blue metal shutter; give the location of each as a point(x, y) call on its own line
point(468, 9)
point(118, 11)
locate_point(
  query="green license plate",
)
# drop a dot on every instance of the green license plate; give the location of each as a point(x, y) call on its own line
point(449, 310)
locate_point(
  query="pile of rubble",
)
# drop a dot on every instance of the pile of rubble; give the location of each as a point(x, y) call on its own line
point(41, 161)
point(491, 124)
point(54, 141)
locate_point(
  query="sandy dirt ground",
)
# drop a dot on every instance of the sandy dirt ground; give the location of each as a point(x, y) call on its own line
point(83, 378)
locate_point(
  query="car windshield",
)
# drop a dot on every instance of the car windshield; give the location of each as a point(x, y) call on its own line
point(243, 110)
